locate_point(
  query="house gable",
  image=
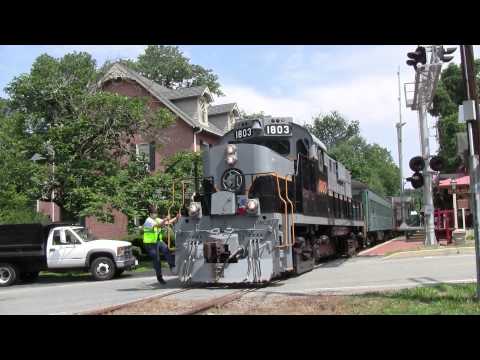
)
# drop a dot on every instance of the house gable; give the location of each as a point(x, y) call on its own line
point(119, 72)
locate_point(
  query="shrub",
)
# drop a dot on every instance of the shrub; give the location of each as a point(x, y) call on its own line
point(22, 216)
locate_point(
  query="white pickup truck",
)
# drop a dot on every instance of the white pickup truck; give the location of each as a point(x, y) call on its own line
point(27, 249)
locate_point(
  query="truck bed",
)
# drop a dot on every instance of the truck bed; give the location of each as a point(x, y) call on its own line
point(22, 240)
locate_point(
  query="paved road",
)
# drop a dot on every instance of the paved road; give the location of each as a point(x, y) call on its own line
point(58, 296)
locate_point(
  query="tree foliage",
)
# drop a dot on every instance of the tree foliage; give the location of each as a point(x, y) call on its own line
point(450, 93)
point(333, 128)
point(368, 163)
point(83, 134)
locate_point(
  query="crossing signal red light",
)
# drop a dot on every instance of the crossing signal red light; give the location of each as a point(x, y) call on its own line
point(417, 163)
point(436, 163)
point(417, 56)
point(444, 52)
point(416, 180)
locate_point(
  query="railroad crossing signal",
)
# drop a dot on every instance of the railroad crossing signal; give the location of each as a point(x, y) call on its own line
point(436, 163)
point(417, 164)
point(443, 54)
point(417, 56)
point(417, 180)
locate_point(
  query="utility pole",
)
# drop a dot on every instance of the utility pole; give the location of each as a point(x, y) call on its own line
point(400, 153)
point(473, 131)
point(430, 238)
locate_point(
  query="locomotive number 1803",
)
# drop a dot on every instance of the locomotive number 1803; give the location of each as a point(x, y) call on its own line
point(277, 130)
point(243, 133)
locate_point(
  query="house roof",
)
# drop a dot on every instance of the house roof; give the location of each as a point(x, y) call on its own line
point(162, 93)
point(222, 109)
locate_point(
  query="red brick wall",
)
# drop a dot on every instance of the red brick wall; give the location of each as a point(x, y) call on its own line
point(45, 207)
point(115, 231)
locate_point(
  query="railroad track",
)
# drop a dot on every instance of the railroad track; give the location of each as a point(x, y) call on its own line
point(196, 309)
point(108, 309)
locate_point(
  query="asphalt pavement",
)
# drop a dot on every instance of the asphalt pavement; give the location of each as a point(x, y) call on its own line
point(341, 276)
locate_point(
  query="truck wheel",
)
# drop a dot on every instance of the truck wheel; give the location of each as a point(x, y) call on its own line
point(29, 277)
point(8, 274)
point(103, 268)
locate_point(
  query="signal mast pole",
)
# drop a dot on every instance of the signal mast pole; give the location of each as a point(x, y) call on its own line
point(400, 153)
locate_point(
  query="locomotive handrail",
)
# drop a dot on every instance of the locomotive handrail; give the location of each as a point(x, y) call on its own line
point(293, 216)
point(168, 217)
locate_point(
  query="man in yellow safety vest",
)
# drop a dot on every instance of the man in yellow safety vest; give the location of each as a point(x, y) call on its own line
point(153, 242)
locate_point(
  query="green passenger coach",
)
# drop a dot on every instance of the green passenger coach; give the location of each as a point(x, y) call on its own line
point(378, 212)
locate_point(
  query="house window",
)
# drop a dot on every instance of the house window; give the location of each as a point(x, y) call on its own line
point(203, 116)
point(147, 152)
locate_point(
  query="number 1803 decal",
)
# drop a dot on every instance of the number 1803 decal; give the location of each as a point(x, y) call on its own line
point(243, 133)
point(277, 130)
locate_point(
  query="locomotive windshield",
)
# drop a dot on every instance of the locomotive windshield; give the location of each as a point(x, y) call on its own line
point(281, 147)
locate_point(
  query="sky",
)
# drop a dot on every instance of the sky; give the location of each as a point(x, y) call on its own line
point(298, 81)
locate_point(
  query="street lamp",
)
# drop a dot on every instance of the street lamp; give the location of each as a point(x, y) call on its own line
point(453, 183)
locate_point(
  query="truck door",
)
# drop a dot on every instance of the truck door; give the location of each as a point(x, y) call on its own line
point(65, 250)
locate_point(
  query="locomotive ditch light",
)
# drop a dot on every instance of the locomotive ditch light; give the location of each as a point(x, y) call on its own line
point(231, 149)
point(253, 206)
point(231, 160)
point(194, 209)
point(417, 163)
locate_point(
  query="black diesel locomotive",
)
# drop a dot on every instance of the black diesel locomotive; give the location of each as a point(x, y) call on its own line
point(272, 201)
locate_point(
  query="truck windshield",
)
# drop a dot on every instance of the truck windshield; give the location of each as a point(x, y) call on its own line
point(84, 234)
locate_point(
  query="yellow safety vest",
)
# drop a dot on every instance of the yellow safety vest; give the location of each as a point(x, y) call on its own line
point(150, 235)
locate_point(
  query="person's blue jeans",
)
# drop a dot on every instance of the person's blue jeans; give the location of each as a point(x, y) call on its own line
point(152, 251)
point(163, 248)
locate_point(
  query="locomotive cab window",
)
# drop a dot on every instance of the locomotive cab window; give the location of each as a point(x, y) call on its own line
point(281, 147)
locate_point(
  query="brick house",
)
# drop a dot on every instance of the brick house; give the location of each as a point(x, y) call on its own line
point(197, 122)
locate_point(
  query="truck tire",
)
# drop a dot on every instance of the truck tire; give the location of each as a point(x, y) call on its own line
point(103, 268)
point(29, 277)
point(8, 274)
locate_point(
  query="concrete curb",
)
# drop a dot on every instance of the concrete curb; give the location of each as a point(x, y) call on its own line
point(432, 252)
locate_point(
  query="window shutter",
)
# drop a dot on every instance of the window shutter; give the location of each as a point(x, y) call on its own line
point(152, 156)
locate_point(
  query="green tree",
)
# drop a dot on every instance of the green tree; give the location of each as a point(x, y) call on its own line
point(449, 95)
point(84, 133)
point(333, 128)
point(370, 164)
point(248, 116)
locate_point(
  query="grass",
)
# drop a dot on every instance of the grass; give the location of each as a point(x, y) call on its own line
point(442, 299)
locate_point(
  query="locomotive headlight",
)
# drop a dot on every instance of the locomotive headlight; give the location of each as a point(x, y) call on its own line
point(231, 149)
point(194, 209)
point(252, 206)
point(231, 160)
